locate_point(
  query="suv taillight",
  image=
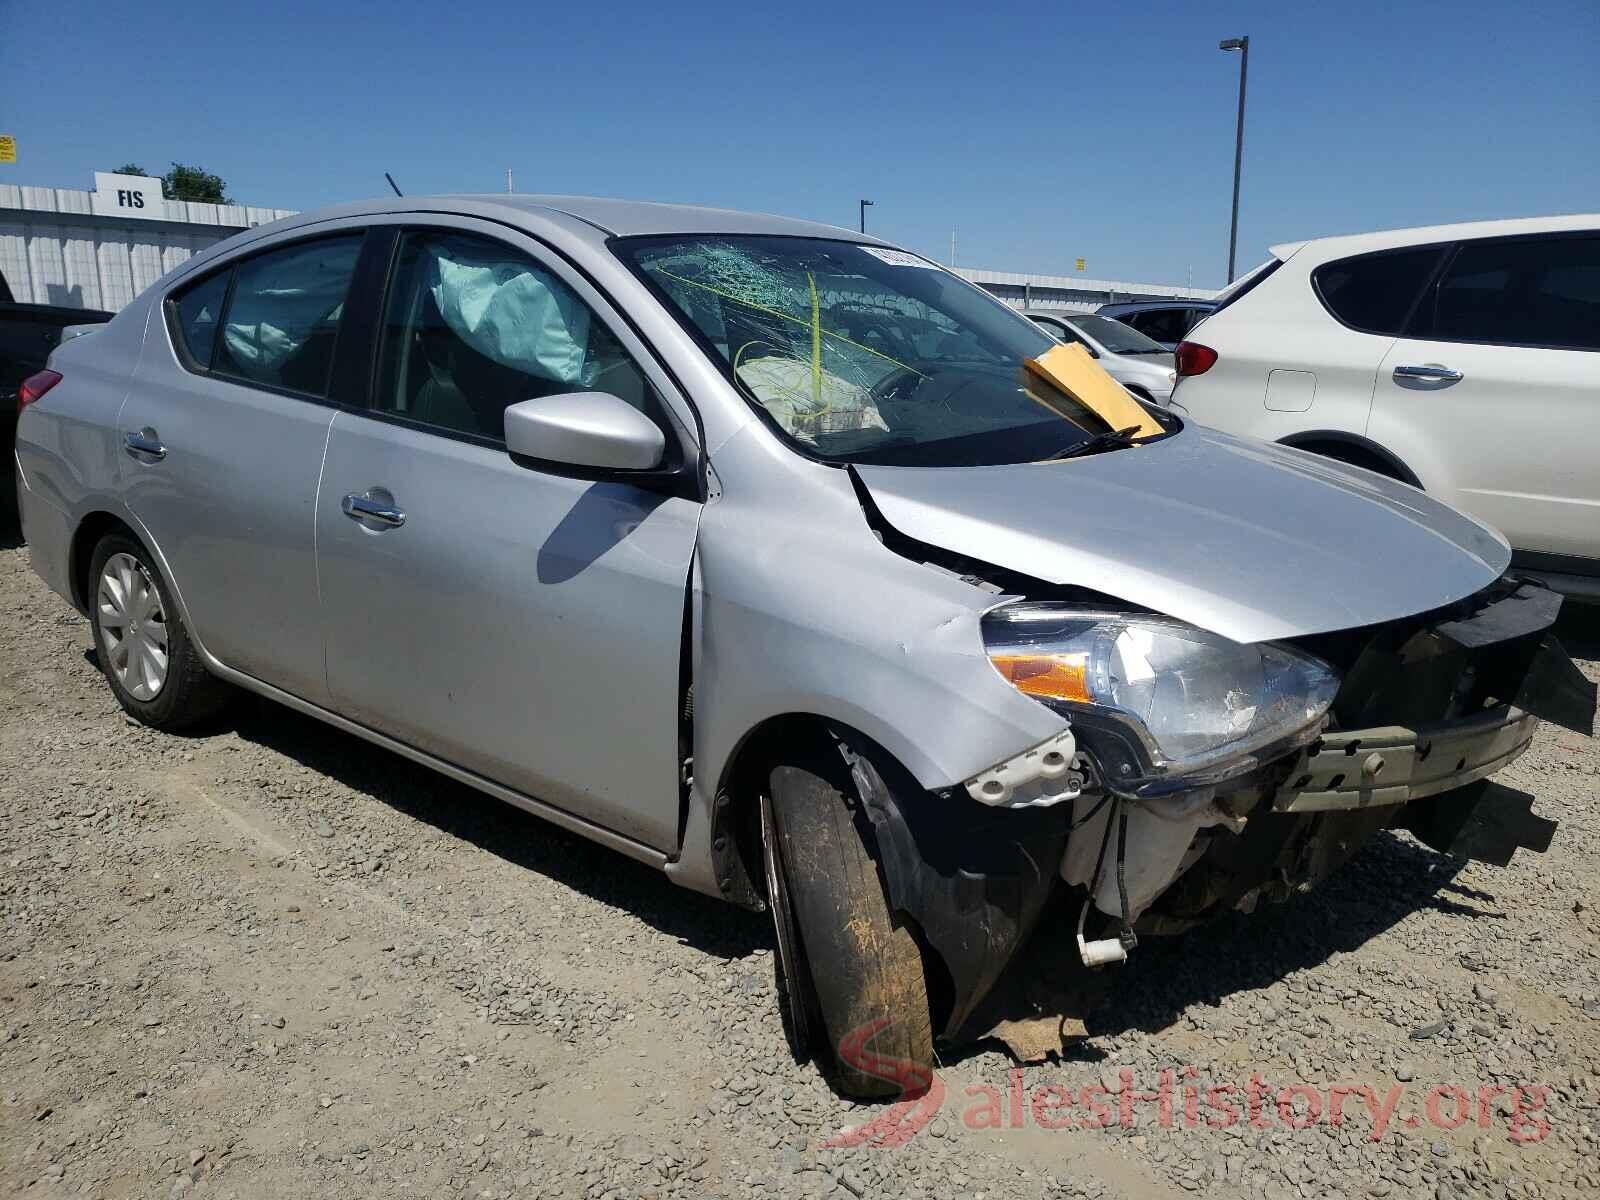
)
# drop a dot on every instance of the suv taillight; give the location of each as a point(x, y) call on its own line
point(1191, 358)
point(35, 386)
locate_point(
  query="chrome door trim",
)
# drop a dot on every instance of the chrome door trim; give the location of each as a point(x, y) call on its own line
point(143, 442)
point(364, 508)
point(1432, 372)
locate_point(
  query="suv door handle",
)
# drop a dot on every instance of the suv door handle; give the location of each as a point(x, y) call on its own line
point(144, 443)
point(365, 508)
point(1432, 372)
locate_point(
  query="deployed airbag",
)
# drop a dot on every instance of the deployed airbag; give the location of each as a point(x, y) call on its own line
point(513, 314)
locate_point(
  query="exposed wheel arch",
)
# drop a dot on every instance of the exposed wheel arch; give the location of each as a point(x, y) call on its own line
point(84, 539)
point(1354, 449)
point(736, 816)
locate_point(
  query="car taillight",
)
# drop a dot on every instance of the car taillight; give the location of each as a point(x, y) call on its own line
point(1191, 358)
point(35, 386)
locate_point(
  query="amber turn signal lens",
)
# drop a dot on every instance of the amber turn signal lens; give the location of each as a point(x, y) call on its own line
point(1056, 678)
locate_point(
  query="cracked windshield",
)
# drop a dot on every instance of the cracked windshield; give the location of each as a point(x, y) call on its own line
point(864, 354)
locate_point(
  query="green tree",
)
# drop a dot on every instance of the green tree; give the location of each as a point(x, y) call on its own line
point(129, 169)
point(186, 182)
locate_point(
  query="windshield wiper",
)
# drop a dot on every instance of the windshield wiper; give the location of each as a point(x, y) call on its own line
point(1114, 439)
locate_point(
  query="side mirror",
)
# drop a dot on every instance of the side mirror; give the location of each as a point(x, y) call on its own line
point(594, 430)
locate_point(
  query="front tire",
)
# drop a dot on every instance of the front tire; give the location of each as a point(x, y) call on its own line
point(143, 647)
point(867, 977)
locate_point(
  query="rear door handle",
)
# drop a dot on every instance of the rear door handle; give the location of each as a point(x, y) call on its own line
point(144, 444)
point(1432, 372)
point(365, 508)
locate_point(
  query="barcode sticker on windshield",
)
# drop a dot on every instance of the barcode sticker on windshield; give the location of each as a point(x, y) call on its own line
point(898, 258)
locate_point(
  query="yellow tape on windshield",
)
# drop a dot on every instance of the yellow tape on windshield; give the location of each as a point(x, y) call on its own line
point(1071, 370)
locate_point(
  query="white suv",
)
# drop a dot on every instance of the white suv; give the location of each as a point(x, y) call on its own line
point(1462, 359)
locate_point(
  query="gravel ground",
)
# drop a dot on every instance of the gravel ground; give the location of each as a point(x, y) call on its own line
point(271, 960)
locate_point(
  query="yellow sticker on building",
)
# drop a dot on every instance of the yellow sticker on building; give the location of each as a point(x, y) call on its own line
point(8, 148)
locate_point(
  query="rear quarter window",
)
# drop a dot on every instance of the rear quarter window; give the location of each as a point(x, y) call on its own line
point(1375, 293)
point(195, 314)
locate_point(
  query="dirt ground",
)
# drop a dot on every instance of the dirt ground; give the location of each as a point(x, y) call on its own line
point(271, 960)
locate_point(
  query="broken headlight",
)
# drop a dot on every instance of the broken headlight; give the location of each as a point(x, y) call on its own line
point(1159, 702)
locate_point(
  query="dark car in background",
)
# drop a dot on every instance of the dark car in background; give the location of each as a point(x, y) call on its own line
point(28, 332)
point(1165, 321)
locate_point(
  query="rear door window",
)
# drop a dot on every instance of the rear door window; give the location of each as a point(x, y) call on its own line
point(1375, 293)
point(282, 319)
point(1518, 292)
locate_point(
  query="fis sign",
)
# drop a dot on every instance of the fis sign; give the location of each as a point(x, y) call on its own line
point(127, 196)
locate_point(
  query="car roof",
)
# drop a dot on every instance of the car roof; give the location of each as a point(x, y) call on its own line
point(606, 217)
point(1339, 245)
point(1062, 314)
point(628, 218)
point(1131, 306)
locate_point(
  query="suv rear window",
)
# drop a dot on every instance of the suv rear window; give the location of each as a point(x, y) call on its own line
point(1162, 324)
point(1374, 293)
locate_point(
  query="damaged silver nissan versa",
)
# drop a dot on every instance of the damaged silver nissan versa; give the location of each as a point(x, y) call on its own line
point(791, 564)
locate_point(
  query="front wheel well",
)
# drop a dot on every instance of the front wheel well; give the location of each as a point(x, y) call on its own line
point(736, 815)
point(89, 533)
point(1355, 451)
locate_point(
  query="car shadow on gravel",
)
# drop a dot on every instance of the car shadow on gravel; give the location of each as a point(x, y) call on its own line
point(1165, 977)
point(518, 837)
point(1579, 629)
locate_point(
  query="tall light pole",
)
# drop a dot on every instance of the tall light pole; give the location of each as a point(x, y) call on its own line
point(865, 204)
point(1241, 44)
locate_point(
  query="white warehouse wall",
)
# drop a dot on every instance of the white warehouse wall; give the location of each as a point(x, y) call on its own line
point(55, 250)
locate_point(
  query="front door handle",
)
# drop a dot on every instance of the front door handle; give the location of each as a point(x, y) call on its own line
point(1431, 372)
point(144, 444)
point(365, 508)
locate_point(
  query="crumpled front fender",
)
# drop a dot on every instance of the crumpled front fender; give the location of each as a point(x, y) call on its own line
point(801, 610)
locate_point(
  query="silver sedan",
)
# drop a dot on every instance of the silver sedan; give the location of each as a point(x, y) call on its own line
point(787, 562)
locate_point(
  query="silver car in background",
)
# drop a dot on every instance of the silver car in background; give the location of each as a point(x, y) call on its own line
point(1139, 364)
point(790, 564)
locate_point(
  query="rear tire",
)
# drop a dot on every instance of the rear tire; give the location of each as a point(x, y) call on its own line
point(143, 647)
point(866, 970)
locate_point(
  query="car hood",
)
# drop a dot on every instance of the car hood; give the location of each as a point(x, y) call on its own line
point(1246, 539)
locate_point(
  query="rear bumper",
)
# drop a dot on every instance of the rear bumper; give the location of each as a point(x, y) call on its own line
point(48, 534)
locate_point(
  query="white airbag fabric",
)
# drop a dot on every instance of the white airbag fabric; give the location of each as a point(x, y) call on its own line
point(513, 314)
point(266, 325)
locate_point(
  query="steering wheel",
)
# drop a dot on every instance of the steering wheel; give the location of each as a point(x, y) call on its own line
point(891, 382)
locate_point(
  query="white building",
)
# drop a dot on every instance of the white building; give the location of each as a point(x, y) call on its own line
point(100, 249)
point(65, 246)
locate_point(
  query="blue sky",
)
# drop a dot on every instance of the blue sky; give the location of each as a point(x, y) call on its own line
point(1039, 132)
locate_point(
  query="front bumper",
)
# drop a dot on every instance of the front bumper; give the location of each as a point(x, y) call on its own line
point(1429, 710)
point(1389, 765)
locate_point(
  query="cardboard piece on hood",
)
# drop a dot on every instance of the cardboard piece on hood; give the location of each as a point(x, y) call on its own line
point(1073, 371)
